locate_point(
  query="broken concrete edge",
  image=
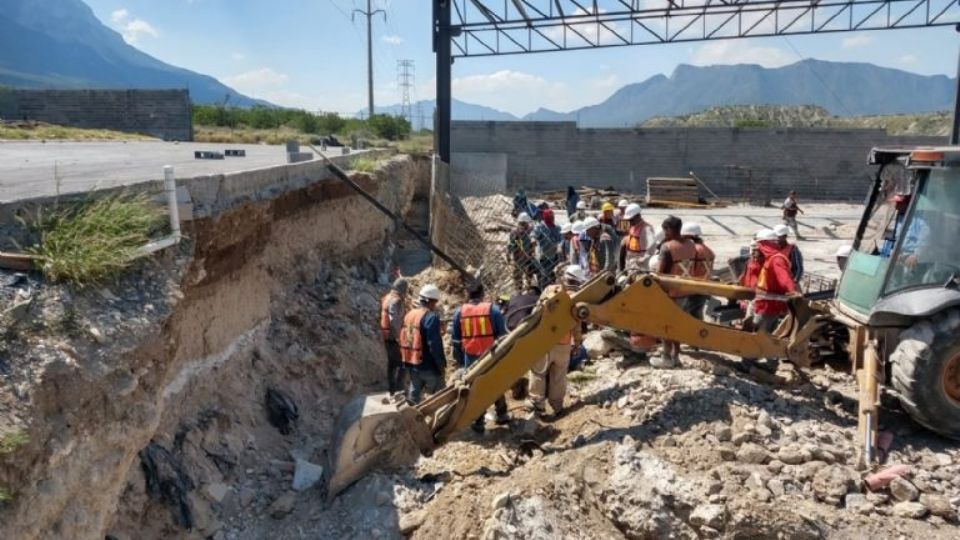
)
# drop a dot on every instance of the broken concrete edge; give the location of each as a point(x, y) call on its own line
point(198, 197)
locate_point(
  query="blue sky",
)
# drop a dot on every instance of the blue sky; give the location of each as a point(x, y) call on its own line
point(308, 53)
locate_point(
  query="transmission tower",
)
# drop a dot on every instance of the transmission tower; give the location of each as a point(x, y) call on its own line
point(405, 78)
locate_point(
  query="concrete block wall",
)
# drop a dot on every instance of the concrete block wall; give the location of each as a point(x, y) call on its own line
point(738, 163)
point(165, 114)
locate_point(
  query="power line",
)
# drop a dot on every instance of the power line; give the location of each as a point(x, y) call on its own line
point(369, 14)
point(405, 82)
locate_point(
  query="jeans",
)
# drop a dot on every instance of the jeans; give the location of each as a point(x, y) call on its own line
point(396, 375)
point(422, 379)
point(695, 304)
point(500, 406)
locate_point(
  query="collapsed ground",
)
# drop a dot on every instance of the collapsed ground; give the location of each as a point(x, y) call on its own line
point(150, 380)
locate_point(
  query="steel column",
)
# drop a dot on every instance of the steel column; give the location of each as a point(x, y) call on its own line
point(442, 38)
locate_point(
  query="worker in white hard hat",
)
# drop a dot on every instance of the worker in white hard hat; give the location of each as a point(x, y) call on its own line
point(581, 213)
point(843, 253)
point(774, 282)
point(566, 245)
point(675, 258)
point(621, 223)
point(639, 244)
point(597, 247)
point(521, 252)
point(702, 265)
point(421, 345)
point(576, 230)
point(548, 377)
point(792, 251)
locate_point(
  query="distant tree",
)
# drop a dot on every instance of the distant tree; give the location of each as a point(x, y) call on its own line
point(750, 122)
point(389, 127)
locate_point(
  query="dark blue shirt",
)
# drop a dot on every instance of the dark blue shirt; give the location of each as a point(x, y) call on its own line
point(433, 357)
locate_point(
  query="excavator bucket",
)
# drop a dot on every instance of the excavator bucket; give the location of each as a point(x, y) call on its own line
point(374, 431)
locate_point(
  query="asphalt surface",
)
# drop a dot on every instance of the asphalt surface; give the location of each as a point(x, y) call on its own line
point(30, 169)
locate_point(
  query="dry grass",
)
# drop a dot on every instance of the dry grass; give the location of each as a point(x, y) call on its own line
point(27, 131)
point(419, 144)
point(364, 164)
point(92, 240)
point(281, 135)
point(11, 441)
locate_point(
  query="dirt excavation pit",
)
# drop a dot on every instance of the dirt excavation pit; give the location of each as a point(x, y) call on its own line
point(209, 414)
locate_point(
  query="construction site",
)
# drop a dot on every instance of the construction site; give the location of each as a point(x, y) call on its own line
point(230, 381)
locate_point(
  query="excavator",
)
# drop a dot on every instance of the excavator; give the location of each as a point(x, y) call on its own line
point(895, 315)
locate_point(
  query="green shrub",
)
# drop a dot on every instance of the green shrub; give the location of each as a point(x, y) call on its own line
point(9, 442)
point(94, 239)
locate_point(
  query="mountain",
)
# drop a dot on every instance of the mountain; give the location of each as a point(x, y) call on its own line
point(422, 112)
point(62, 44)
point(843, 89)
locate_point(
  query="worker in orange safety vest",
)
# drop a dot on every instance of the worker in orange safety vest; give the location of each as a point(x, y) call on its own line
point(421, 345)
point(392, 312)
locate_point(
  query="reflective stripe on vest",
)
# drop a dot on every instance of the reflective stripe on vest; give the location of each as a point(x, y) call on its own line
point(476, 328)
point(385, 314)
point(593, 259)
point(411, 338)
point(702, 263)
point(623, 226)
point(682, 255)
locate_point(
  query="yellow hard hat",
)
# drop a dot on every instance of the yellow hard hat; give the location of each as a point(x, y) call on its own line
point(607, 206)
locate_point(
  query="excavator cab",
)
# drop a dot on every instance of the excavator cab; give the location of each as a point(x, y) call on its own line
point(906, 258)
point(900, 290)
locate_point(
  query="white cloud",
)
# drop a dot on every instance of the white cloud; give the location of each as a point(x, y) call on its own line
point(238, 57)
point(739, 52)
point(857, 41)
point(908, 59)
point(392, 40)
point(607, 83)
point(132, 28)
point(257, 80)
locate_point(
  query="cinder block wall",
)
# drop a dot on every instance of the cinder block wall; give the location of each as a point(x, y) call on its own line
point(165, 114)
point(740, 163)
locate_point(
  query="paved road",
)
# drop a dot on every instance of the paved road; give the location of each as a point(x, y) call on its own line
point(34, 169)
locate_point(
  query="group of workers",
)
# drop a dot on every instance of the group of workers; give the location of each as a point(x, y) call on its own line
point(545, 256)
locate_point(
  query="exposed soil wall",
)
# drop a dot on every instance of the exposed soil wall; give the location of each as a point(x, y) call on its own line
point(278, 294)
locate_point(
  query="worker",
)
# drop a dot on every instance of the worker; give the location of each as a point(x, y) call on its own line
point(597, 247)
point(843, 253)
point(581, 213)
point(676, 258)
point(548, 378)
point(638, 244)
point(573, 202)
point(774, 283)
point(606, 215)
point(421, 345)
point(702, 266)
point(622, 224)
point(566, 246)
point(576, 230)
point(792, 251)
point(392, 312)
point(749, 279)
point(520, 252)
point(520, 203)
point(790, 210)
point(547, 237)
point(476, 327)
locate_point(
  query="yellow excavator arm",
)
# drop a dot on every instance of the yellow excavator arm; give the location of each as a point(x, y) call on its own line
point(371, 428)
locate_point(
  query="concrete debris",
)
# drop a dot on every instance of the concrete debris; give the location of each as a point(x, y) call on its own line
point(412, 521)
point(709, 515)
point(501, 501)
point(596, 345)
point(217, 491)
point(833, 482)
point(938, 505)
point(903, 490)
point(753, 453)
point(857, 502)
point(282, 506)
point(907, 509)
point(306, 475)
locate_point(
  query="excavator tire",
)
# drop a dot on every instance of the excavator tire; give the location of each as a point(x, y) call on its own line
point(926, 372)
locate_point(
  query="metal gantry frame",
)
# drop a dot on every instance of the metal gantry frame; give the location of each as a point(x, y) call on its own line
point(469, 28)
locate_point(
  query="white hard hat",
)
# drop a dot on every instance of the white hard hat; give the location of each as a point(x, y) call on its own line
point(764, 235)
point(781, 230)
point(577, 228)
point(632, 211)
point(581, 205)
point(590, 223)
point(844, 251)
point(523, 218)
point(565, 228)
point(575, 272)
point(691, 229)
point(429, 292)
point(622, 204)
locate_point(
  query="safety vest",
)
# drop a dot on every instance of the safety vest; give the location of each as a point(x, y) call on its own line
point(593, 258)
point(623, 226)
point(411, 339)
point(636, 240)
point(703, 263)
point(388, 299)
point(476, 328)
point(763, 281)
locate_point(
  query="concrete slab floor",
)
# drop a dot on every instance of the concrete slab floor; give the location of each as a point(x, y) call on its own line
point(31, 169)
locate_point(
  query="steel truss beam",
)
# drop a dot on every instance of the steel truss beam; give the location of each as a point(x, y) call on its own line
point(502, 27)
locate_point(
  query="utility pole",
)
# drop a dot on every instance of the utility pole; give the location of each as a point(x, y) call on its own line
point(369, 13)
point(405, 78)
